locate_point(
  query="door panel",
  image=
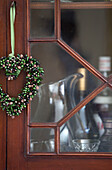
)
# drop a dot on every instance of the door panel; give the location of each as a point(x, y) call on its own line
point(17, 157)
point(15, 127)
point(3, 83)
point(88, 32)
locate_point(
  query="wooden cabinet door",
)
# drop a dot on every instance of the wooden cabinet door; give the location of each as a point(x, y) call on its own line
point(14, 133)
point(3, 83)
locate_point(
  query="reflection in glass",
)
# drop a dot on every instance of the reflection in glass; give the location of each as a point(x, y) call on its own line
point(51, 0)
point(103, 107)
point(88, 31)
point(41, 23)
point(54, 98)
point(42, 140)
point(57, 63)
point(70, 0)
point(90, 129)
point(58, 66)
point(40, 0)
point(87, 0)
point(105, 65)
point(83, 131)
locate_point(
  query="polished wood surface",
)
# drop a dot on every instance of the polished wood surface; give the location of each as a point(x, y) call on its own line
point(16, 127)
point(15, 156)
point(72, 5)
point(81, 104)
point(3, 83)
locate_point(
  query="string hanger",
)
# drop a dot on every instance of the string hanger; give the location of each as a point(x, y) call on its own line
point(12, 20)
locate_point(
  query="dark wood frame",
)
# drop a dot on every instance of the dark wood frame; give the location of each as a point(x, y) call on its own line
point(3, 40)
point(13, 138)
point(57, 38)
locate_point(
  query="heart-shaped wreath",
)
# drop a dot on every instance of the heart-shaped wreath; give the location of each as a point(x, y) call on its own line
point(13, 66)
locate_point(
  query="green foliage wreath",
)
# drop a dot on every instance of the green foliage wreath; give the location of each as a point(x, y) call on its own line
point(13, 66)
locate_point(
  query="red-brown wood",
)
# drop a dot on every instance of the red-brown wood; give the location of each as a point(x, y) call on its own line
point(81, 104)
point(50, 125)
point(3, 83)
point(28, 141)
point(17, 149)
point(86, 5)
point(72, 5)
point(81, 60)
point(16, 127)
point(32, 40)
point(57, 140)
point(110, 81)
point(41, 5)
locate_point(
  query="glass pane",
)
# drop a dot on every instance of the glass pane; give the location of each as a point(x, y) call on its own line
point(84, 0)
point(89, 32)
point(103, 107)
point(90, 129)
point(40, 0)
point(41, 20)
point(62, 83)
point(81, 133)
point(42, 140)
point(70, 0)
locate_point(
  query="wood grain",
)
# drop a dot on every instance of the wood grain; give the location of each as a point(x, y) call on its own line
point(17, 150)
point(16, 127)
point(3, 83)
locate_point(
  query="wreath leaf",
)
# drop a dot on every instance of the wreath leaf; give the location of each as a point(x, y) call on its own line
point(13, 66)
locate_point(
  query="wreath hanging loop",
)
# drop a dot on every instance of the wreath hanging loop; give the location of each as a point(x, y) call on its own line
point(13, 66)
point(12, 21)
